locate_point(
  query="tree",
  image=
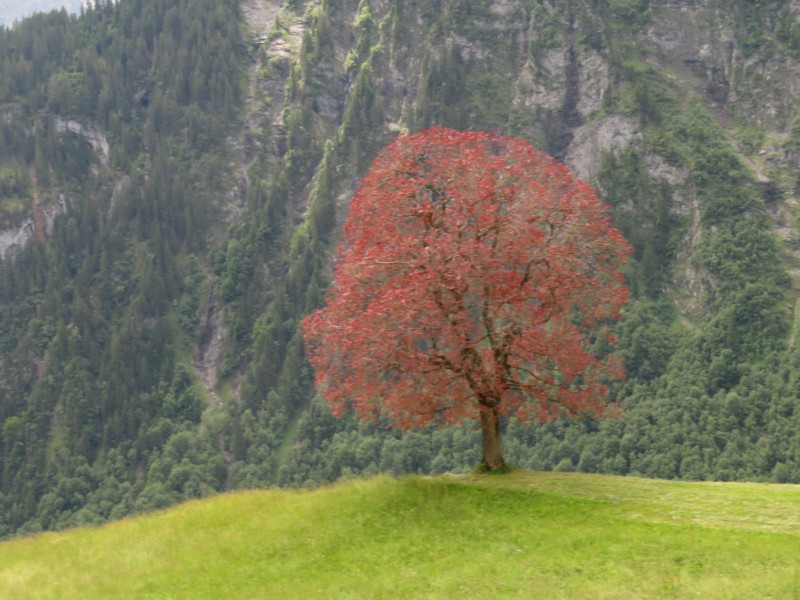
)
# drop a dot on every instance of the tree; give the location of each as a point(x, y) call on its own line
point(475, 281)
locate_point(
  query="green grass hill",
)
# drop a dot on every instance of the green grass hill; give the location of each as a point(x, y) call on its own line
point(522, 535)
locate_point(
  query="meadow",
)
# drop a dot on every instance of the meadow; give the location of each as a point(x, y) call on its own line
point(520, 535)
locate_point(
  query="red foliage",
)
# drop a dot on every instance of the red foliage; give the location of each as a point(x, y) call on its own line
point(472, 272)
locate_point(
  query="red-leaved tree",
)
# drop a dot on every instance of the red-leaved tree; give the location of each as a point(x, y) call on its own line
point(473, 273)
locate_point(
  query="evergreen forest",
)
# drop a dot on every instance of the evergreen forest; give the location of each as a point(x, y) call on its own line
point(174, 175)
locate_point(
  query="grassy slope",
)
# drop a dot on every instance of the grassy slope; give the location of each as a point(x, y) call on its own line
point(524, 535)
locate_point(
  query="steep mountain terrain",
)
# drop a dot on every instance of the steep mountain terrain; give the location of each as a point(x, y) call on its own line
point(196, 159)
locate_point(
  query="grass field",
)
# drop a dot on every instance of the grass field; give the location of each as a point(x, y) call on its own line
point(522, 535)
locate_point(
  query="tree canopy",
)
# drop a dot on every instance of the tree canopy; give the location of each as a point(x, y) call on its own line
point(474, 282)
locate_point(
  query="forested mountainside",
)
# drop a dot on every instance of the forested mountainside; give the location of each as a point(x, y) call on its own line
point(173, 175)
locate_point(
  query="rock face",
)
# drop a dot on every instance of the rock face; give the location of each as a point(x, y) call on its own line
point(591, 142)
point(40, 222)
point(584, 81)
point(12, 240)
point(93, 136)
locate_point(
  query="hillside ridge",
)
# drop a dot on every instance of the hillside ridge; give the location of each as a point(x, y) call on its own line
point(560, 535)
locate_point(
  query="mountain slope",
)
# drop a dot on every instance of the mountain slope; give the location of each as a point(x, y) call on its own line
point(675, 111)
point(517, 536)
point(181, 168)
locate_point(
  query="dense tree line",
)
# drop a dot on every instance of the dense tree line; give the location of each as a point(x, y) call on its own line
point(94, 377)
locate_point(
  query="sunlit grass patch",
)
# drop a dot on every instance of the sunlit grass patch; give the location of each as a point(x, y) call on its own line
point(523, 535)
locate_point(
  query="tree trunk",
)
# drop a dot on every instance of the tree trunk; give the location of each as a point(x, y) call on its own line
point(490, 430)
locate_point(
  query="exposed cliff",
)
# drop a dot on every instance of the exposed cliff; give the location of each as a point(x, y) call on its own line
point(584, 80)
point(36, 217)
point(13, 240)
